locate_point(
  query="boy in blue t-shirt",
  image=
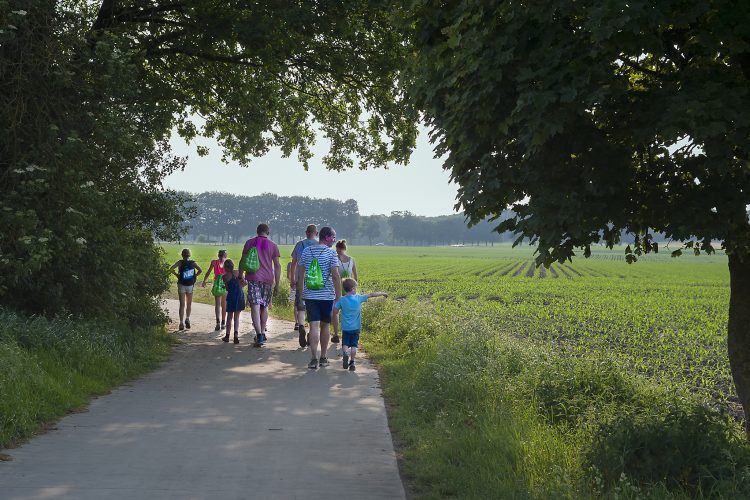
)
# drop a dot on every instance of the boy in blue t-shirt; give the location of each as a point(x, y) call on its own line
point(350, 305)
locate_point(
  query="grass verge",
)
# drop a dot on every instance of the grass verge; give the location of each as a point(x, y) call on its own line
point(53, 366)
point(481, 414)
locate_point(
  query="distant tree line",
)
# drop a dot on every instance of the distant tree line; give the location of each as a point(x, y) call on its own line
point(224, 217)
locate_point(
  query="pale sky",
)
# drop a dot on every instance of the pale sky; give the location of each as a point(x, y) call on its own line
point(422, 187)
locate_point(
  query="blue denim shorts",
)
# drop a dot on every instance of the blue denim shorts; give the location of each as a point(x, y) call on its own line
point(319, 310)
point(350, 338)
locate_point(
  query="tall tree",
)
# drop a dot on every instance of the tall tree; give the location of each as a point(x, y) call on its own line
point(595, 117)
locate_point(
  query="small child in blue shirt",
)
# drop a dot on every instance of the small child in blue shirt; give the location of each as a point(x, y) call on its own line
point(350, 305)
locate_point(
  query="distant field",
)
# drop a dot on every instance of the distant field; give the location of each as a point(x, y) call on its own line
point(662, 317)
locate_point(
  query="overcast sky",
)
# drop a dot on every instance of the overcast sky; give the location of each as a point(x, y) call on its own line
point(422, 187)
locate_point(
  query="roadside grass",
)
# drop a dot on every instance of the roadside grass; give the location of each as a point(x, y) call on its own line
point(482, 414)
point(51, 367)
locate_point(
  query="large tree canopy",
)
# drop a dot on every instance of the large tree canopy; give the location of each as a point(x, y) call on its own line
point(274, 73)
point(594, 117)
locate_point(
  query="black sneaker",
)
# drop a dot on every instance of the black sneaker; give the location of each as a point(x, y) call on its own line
point(182, 326)
point(313, 364)
point(236, 339)
point(324, 361)
point(352, 367)
point(223, 325)
point(217, 327)
point(296, 327)
point(187, 323)
point(346, 361)
point(302, 336)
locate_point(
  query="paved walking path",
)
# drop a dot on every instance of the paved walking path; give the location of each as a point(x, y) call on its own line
point(220, 421)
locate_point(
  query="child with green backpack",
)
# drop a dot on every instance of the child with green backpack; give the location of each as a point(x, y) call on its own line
point(218, 290)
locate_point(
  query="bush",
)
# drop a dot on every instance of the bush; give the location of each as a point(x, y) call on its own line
point(681, 444)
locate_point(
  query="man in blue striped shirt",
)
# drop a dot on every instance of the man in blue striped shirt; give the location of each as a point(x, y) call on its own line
point(319, 303)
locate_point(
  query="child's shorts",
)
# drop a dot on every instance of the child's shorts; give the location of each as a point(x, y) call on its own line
point(351, 338)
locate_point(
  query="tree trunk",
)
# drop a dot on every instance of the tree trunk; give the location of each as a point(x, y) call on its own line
point(738, 329)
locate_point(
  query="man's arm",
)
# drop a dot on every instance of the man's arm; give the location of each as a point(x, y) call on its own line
point(336, 277)
point(300, 279)
point(276, 273)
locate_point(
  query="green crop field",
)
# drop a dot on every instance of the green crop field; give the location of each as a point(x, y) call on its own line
point(663, 317)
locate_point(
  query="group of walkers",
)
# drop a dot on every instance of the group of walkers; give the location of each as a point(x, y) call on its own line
point(323, 289)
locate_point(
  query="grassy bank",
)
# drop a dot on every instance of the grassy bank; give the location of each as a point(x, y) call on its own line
point(51, 367)
point(481, 414)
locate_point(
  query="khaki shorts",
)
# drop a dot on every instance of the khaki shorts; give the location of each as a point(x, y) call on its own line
point(184, 288)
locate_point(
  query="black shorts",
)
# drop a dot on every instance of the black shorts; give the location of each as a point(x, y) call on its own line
point(318, 310)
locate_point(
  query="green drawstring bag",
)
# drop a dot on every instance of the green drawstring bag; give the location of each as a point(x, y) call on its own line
point(219, 288)
point(250, 262)
point(314, 276)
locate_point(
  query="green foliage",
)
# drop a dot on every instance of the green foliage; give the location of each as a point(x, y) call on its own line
point(681, 444)
point(479, 415)
point(82, 165)
point(592, 117)
point(51, 367)
point(275, 74)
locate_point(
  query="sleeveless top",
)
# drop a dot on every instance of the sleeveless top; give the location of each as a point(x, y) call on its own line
point(346, 269)
point(218, 268)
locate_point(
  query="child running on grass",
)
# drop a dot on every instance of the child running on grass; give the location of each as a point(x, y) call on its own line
point(350, 305)
point(235, 299)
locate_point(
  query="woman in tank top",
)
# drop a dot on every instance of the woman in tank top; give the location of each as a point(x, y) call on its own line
point(220, 302)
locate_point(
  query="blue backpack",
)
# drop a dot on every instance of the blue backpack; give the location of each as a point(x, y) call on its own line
point(187, 275)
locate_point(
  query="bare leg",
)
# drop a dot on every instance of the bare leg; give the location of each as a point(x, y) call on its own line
point(236, 317)
point(313, 339)
point(325, 337)
point(223, 308)
point(188, 304)
point(217, 307)
point(353, 354)
point(182, 308)
point(263, 318)
point(255, 311)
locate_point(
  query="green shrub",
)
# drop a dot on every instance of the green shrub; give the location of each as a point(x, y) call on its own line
point(682, 444)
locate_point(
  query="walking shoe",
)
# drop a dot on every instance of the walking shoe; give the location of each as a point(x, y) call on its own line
point(263, 338)
point(324, 361)
point(296, 327)
point(217, 326)
point(346, 361)
point(302, 338)
point(256, 341)
point(313, 364)
point(352, 367)
point(236, 339)
point(335, 338)
point(187, 323)
point(223, 325)
point(225, 338)
point(182, 327)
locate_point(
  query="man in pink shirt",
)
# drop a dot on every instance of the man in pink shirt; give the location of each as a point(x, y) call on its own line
point(263, 284)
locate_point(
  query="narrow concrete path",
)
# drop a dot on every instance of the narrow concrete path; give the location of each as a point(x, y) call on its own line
point(220, 421)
